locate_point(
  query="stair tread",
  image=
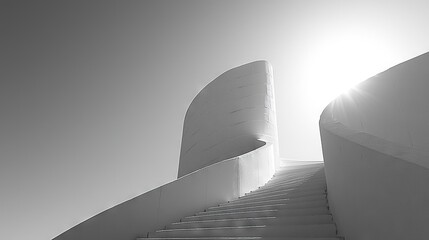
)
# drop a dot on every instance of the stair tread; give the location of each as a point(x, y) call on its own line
point(287, 199)
point(272, 206)
point(308, 230)
point(255, 218)
point(320, 230)
point(273, 221)
point(258, 213)
point(244, 238)
point(247, 226)
point(288, 190)
point(291, 206)
point(284, 195)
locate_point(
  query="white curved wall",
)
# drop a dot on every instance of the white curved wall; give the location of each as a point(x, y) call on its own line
point(227, 117)
point(393, 106)
point(209, 186)
point(214, 180)
point(375, 142)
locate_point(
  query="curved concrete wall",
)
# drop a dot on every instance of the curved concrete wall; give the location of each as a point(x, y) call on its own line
point(375, 142)
point(228, 117)
point(209, 186)
point(213, 180)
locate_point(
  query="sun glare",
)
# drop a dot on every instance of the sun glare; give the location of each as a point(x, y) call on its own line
point(340, 62)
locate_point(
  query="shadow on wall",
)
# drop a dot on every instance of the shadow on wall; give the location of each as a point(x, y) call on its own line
point(375, 142)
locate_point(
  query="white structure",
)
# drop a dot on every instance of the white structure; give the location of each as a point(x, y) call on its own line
point(229, 116)
point(229, 147)
point(375, 143)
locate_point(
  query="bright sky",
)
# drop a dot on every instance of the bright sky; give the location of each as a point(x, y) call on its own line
point(93, 93)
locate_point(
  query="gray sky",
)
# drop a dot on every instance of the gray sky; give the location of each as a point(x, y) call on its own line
point(93, 93)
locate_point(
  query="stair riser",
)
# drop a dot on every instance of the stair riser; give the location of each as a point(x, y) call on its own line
point(259, 209)
point(290, 178)
point(296, 181)
point(322, 203)
point(276, 213)
point(291, 206)
point(287, 177)
point(303, 200)
point(300, 168)
point(280, 196)
point(325, 230)
point(304, 188)
point(284, 191)
point(265, 198)
point(298, 172)
point(288, 185)
point(310, 179)
point(317, 219)
point(246, 238)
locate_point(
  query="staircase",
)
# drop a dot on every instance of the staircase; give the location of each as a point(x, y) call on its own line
point(291, 206)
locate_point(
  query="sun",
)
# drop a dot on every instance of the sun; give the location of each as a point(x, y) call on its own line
point(340, 61)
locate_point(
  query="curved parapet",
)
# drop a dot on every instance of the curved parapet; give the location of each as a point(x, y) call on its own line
point(375, 141)
point(228, 117)
point(232, 129)
point(218, 183)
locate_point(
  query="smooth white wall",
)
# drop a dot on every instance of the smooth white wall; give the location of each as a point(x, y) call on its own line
point(252, 144)
point(228, 117)
point(375, 142)
point(206, 187)
point(393, 106)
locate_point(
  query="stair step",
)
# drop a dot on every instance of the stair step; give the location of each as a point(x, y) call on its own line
point(300, 167)
point(316, 230)
point(295, 181)
point(277, 197)
point(286, 177)
point(293, 184)
point(280, 196)
point(313, 219)
point(298, 171)
point(295, 173)
point(282, 184)
point(242, 238)
point(302, 200)
point(275, 180)
point(291, 206)
point(290, 178)
point(282, 193)
point(284, 190)
point(260, 213)
point(268, 205)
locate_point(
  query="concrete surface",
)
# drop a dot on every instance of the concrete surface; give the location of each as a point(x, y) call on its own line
point(375, 141)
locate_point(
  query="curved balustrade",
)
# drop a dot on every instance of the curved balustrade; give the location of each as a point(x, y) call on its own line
point(232, 118)
point(375, 141)
point(209, 186)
